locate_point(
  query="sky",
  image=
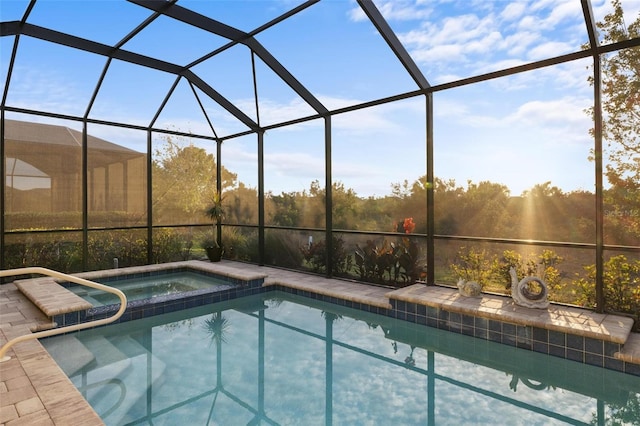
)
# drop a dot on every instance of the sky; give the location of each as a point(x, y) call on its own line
point(517, 131)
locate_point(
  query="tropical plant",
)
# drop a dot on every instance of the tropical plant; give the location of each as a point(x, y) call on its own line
point(408, 265)
point(373, 260)
point(315, 254)
point(215, 212)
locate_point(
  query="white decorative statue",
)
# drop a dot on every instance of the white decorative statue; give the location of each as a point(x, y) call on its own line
point(469, 288)
point(522, 294)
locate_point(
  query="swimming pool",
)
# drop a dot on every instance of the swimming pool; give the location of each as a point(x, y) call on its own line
point(157, 285)
point(282, 359)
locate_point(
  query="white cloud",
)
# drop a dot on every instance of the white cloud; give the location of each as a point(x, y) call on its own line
point(487, 36)
point(549, 50)
point(394, 10)
point(516, 44)
point(513, 11)
point(565, 111)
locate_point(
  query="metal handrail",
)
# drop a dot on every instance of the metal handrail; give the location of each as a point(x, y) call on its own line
point(75, 327)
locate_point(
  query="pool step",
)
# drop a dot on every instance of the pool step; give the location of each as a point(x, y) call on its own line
point(70, 354)
point(631, 349)
point(124, 369)
point(111, 372)
point(50, 297)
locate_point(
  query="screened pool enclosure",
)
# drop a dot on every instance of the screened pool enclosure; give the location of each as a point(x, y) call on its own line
point(382, 141)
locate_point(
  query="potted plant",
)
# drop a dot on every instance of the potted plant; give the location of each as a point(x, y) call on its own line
point(210, 243)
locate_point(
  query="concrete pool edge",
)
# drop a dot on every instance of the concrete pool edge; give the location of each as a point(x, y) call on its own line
point(567, 332)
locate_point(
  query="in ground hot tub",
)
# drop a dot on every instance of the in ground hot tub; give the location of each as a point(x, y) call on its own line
point(158, 289)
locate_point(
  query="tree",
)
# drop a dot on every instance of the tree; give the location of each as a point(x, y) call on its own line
point(286, 211)
point(345, 204)
point(621, 123)
point(483, 209)
point(241, 205)
point(184, 181)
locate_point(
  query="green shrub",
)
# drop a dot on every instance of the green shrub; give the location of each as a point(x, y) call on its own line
point(472, 265)
point(281, 250)
point(621, 281)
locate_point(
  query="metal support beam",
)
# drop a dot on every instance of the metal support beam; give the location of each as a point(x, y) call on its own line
point(328, 196)
point(149, 197)
point(224, 102)
point(431, 231)
point(390, 37)
point(261, 203)
point(219, 187)
point(223, 30)
point(85, 197)
point(597, 149)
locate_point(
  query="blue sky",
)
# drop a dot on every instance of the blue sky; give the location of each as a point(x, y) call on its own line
point(518, 131)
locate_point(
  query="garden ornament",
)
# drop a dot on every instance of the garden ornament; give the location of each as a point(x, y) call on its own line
point(523, 295)
point(469, 288)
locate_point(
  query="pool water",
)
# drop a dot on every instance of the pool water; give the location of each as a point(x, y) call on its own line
point(148, 287)
point(279, 359)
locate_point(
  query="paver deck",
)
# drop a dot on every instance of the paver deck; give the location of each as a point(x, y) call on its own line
point(35, 391)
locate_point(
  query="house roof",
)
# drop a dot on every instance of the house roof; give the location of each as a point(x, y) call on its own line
point(50, 134)
point(26, 141)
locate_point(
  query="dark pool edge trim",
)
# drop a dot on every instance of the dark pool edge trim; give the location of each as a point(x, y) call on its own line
point(585, 350)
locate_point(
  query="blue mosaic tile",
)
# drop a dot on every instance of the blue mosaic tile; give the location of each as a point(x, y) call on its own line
point(495, 326)
point(540, 334)
point(432, 312)
point(508, 328)
point(575, 355)
point(481, 322)
point(593, 359)
point(524, 344)
point(412, 308)
point(633, 369)
point(443, 315)
point(614, 364)
point(610, 348)
point(594, 346)
point(495, 336)
point(467, 330)
point(508, 339)
point(481, 333)
point(541, 347)
point(455, 317)
point(468, 320)
point(557, 338)
point(575, 342)
point(455, 327)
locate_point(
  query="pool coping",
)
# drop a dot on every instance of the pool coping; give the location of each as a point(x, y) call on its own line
point(34, 388)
